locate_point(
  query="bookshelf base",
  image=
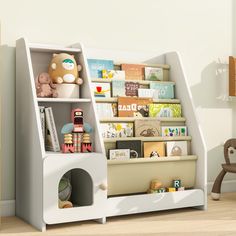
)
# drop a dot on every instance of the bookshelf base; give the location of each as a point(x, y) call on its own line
point(134, 204)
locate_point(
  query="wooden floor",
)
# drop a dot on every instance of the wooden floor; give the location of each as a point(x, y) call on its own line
point(219, 219)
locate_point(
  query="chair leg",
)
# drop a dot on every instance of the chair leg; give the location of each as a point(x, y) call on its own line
point(215, 192)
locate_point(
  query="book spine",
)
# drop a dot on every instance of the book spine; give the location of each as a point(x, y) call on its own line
point(52, 129)
point(42, 119)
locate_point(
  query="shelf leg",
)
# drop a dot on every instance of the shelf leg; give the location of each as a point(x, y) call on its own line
point(101, 220)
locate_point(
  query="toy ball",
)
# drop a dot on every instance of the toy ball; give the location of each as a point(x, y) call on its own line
point(65, 189)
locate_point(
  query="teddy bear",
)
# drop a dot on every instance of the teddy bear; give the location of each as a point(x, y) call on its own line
point(44, 86)
point(64, 69)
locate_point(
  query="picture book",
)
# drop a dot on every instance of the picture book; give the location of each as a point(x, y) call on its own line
point(171, 131)
point(102, 90)
point(118, 88)
point(104, 110)
point(146, 93)
point(116, 130)
point(134, 146)
point(165, 90)
point(133, 71)
point(119, 154)
point(113, 74)
point(177, 148)
point(131, 89)
point(153, 73)
point(133, 107)
point(42, 120)
point(165, 110)
point(154, 149)
point(52, 143)
point(144, 128)
point(97, 65)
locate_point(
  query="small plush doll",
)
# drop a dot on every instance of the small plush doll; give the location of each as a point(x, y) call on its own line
point(64, 69)
point(44, 86)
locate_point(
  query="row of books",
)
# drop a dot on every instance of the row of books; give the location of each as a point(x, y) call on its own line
point(137, 107)
point(49, 129)
point(133, 89)
point(106, 69)
point(137, 149)
point(140, 128)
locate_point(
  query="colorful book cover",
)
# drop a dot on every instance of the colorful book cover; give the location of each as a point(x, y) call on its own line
point(116, 130)
point(52, 143)
point(144, 128)
point(165, 90)
point(135, 147)
point(131, 89)
point(102, 90)
point(154, 149)
point(146, 93)
point(172, 131)
point(104, 110)
point(119, 154)
point(97, 65)
point(113, 74)
point(177, 148)
point(118, 88)
point(153, 73)
point(133, 71)
point(133, 107)
point(165, 110)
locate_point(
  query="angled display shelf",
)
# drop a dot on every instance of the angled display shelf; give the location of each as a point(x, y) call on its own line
point(97, 184)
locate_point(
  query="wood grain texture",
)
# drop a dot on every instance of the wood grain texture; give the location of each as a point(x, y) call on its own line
point(219, 219)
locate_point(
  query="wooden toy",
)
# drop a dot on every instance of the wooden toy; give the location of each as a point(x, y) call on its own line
point(176, 183)
point(68, 145)
point(77, 120)
point(181, 189)
point(161, 190)
point(171, 189)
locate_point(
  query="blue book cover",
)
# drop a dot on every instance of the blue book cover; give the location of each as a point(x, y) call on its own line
point(165, 91)
point(118, 88)
point(97, 65)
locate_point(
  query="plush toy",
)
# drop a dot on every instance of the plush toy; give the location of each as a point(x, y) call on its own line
point(64, 69)
point(44, 86)
point(64, 193)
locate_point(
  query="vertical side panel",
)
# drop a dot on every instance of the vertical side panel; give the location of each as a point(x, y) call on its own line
point(29, 172)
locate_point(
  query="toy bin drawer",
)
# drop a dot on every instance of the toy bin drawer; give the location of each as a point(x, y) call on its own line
point(134, 175)
point(86, 172)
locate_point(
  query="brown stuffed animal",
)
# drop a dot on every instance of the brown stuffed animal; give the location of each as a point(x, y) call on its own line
point(64, 69)
point(44, 86)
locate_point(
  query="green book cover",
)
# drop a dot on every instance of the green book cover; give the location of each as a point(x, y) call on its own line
point(165, 110)
point(165, 91)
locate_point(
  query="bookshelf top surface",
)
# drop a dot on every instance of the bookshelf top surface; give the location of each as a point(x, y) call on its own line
point(148, 160)
point(34, 47)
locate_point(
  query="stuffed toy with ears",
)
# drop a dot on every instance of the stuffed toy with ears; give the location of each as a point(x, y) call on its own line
point(44, 86)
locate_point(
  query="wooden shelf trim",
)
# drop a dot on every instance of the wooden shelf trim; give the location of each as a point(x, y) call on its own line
point(144, 82)
point(132, 119)
point(149, 139)
point(115, 99)
point(65, 100)
point(154, 159)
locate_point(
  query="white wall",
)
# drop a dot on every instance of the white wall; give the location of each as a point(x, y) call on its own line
point(202, 31)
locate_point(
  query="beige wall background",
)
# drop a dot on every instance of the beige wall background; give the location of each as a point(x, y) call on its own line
point(202, 31)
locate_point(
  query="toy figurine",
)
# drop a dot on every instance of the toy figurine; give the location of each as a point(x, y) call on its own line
point(155, 185)
point(44, 86)
point(64, 69)
point(77, 120)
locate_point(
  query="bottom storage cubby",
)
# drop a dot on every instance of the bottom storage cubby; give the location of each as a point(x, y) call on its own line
point(85, 173)
point(134, 175)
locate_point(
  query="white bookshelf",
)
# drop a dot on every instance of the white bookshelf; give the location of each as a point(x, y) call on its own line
point(38, 171)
